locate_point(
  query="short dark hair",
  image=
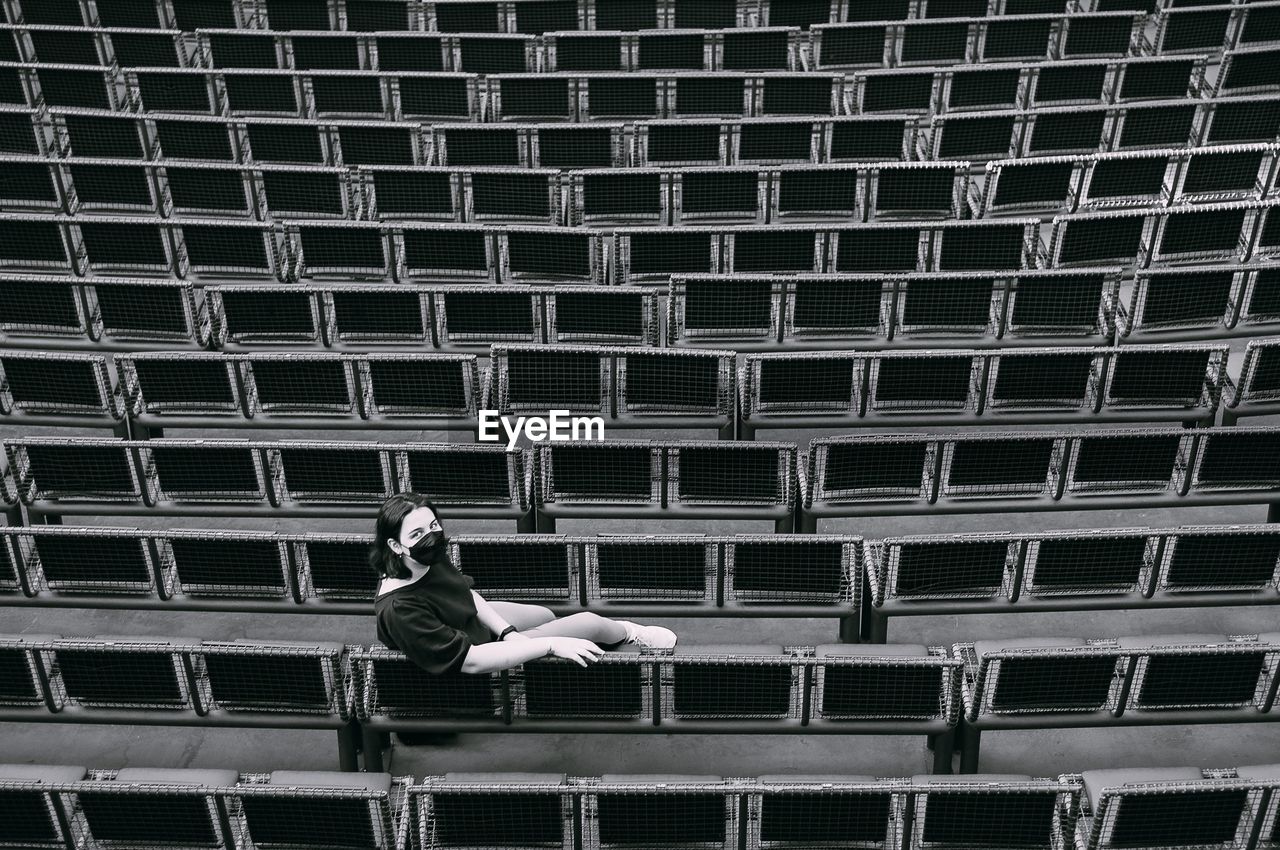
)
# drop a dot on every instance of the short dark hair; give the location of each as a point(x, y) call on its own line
point(385, 562)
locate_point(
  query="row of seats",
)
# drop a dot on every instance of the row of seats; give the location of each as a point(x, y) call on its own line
point(1142, 809)
point(1032, 683)
point(569, 96)
point(691, 195)
point(742, 312)
point(825, 46)
point(1084, 124)
point(634, 387)
point(529, 16)
point(856, 475)
point(214, 250)
point(742, 575)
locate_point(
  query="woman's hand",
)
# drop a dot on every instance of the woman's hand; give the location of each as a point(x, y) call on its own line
point(582, 652)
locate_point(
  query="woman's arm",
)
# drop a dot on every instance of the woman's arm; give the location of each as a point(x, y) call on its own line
point(492, 657)
point(491, 619)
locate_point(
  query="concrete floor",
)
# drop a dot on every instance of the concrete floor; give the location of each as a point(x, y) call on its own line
point(1040, 753)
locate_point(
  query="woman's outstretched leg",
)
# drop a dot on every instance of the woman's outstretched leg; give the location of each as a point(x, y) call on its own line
point(606, 632)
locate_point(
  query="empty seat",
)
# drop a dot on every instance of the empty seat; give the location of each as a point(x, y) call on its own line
point(791, 570)
point(1238, 459)
point(289, 676)
point(1186, 376)
point(804, 810)
point(507, 809)
point(1199, 677)
point(1002, 809)
point(709, 310)
point(315, 471)
point(618, 687)
point(1171, 299)
point(519, 569)
point(135, 672)
point(879, 248)
point(1220, 232)
point(1236, 558)
point(159, 384)
point(39, 816)
point(1100, 238)
point(203, 471)
point(740, 682)
point(942, 567)
point(23, 670)
point(74, 470)
point(156, 807)
point(322, 808)
point(432, 253)
point(471, 316)
point(222, 564)
point(249, 315)
point(1098, 562)
point(646, 256)
point(676, 812)
point(315, 384)
point(647, 569)
point(602, 314)
point(902, 682)
point(548, 255)
point(1040, 184)
point(1041, 675)
point(342, 251)
point(91, 560)
point(69, 387)
point(334, 569)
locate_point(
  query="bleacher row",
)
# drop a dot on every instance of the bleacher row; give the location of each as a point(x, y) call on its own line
point(883, 191)
point(63, 805)
point(862, 582)
point(902, 689)
point(629, 387)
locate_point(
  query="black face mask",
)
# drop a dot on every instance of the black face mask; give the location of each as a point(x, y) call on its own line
point(429, 547)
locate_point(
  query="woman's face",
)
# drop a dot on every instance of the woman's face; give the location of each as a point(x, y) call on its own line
point(416, 525)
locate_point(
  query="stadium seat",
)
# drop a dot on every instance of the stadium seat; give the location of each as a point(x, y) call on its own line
point(506, 809)
point(626, 387)
point(681, 480)
point(1038, 683)
point(676, 811)
point(155, 807)
point(38, 815)
point(300, 807)
point(1259, 382)
point(793, 811)
point(1010, 809)
point(246, 478)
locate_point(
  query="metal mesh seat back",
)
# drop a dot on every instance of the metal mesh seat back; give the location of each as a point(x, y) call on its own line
point(586, 147)
point(976, 137)
point(81, 472)
point(881, 691)
point(380, 317)
point(143, 312)
point(533, 570)
point(622, 194)
point(1265, 380)
point(827, 191)
point(878, 250)
point(149, 820)
point(54, 383)
point(1160, 376)
point(212, 246)
point(403, 690)
point(978, 819)
point(730, 475)
point(130, 245)
point(1200, 560)
point(347, 473)
point(103, 677)
point(507, 195)
point(340, 569)
point(289, 191)
point(269, 315)
point(1246, 460)
point(1125, 462)
point(100, 562)
point(548, 379)
point(731, 690)
point(200, 189)
point(1201, 679)
point(265, 682)
point(623, 97)
point(1084, 564)
point(207, 472)
point(1047, 183)
point(341, 248)
point(919, 190)
point(1043, 379)
point(853, 46)
point(723, 192)
point(1048, 684)
point(194, 140)
point(186, 384)
point(1264, 299)
point(898, 93)
point(1250, 70)
point(1222, 172)
point(1016, 39)
point(803, 385)
point(601, 472)
point(30, 819)
point(285, 143)
point(672, 382)
point(999, 246)
point(18, 684)
point(30, 182)
point(1187, 817)
point(261, 93)
point(564, 690)
point(589, 53)
point(323, 823)
point(705, 95)
point(818, 818)
point(481, 818)
point(867, 140)
point(303, 385)
point(650, 570)
point(954, 304)
point(496, 316)
point(1156, 126)
point(1128, 177)
point(1176, 299)
point(669, 820)
point(590, 316)
point(16, 132)
point(724, 305)
point(1057, 303)
point(484, 147)
point(1215, 231)
point(755, 50)
point(863, 470)
point(670, 253)
point(938, 570)
point(776, 251)
point(419, 387)
point(1077, 130)
point(467, 17)
point(554, 255)
point(547, 97)
point(845, 305)
point(48, 308)
point(922, 381)
point(228, 566)
point(991, 467)
point(449, 251)
point(779, 142)
point(464, 477)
